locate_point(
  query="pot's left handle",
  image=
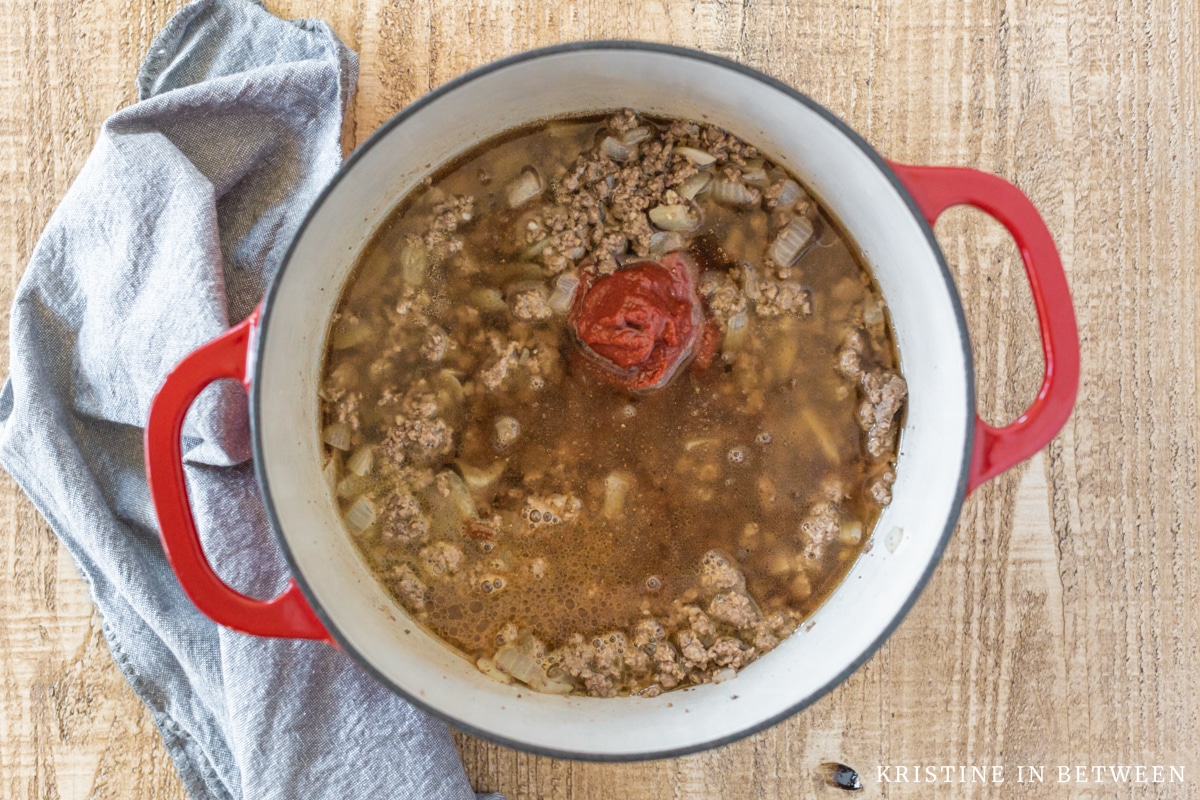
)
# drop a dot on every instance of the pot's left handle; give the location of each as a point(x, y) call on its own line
point(286, 616)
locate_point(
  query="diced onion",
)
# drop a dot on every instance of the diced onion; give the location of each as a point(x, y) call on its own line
point(754, 173)
point(635, 135)
point(527, 186)
point(534, 250)
point(675, 218)
point(756, 177)
point(507, 431)
point(872, 311)
point(734, 193)
point(790, 242)
point(693, 186)
point(617, 151)
point(361, 515)
point(361, 461)
point(722, 675)
point(478, 479)
point(551, 685)
point(352, 334)
point(449, 389)
point(337, 435)
point(519, 664)
point(460, 498)
point(488, 667)
point(824, 437)
point(487, 299)
point(751, 286)
point(735, 333)
point(564, 292)
point(789, 193)
point(664, 242)
point(351, 485)
point(515, 272)
point(851, 533)
point(332, 470)
point(616, 488)
point(414, 260)
point(700, 158)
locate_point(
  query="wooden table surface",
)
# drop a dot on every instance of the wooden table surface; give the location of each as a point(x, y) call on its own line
point(1061, 627)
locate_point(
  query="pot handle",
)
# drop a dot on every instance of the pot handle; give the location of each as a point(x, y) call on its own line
point(936, 189)
point(286, 616)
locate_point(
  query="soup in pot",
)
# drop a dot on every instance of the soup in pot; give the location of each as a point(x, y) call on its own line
point(610, 405)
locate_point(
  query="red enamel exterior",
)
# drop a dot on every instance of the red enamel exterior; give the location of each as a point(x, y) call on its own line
point(287, 615)
point(936, 189)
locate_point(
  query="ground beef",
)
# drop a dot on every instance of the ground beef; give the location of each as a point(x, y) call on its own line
point(447, 216)
point(819, 528)
point(850, 357)
point(885, 392)
point(496, 372)
point(405, 583)
point(723, 296)
point(433, 349)
point(532, 361)
point(623, 121)
point(347, 409)
point(401, 518)
point(730, 294)
point(730, 652)
point(775, 298)
point(694, 653)
point(441, 558)
point(881, 487)
point(667, 671)
point(625, 190)
point(638, 663)
point(598, 663)
point(646, 633)
point(772, 629)
point(598, 685)
point(735, 609)
point(551, 510)
point(529, 304)
point(718, 573)
point(419, 435)
point(835, 490)
point(698, 622)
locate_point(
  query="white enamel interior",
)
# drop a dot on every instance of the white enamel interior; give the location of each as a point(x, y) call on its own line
point(933, 444)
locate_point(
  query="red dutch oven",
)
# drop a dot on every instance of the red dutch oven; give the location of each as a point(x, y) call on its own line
point(888, 209)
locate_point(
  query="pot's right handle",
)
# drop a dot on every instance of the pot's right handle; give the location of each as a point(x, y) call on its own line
point(936, 189)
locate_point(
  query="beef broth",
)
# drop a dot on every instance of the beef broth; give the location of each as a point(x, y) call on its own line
point(610, 405)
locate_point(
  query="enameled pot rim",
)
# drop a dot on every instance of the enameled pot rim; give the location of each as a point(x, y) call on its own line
point(264, 328)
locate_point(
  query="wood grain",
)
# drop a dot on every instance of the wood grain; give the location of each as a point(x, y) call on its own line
point(1061, 628)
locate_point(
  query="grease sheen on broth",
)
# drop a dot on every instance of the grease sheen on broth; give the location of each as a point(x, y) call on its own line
point(524, 504)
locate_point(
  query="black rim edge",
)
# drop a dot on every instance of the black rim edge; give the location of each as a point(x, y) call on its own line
point(446, 88)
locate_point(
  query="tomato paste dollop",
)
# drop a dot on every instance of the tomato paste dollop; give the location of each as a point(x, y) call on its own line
point(640, 324)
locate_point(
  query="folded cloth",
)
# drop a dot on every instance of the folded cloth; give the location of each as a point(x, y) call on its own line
point(172, 230)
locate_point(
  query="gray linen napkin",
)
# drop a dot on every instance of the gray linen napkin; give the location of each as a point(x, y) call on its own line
point(170, 234)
